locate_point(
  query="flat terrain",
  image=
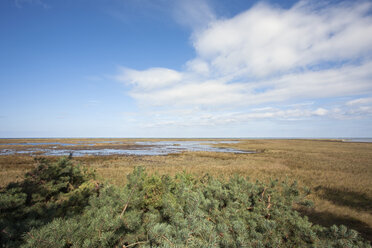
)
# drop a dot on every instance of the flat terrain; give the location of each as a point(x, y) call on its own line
point(338, 173)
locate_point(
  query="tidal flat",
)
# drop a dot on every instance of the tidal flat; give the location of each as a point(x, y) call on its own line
point(338, 173)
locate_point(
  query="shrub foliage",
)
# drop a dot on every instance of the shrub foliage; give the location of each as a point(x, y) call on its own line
point(65, 207)
point(51, 190)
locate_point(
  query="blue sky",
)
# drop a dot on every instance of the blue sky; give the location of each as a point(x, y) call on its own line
point(185, 68)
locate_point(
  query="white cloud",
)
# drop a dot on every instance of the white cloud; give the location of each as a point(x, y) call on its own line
point(266, 40)
point(208, 93)
point(197, 117)
point(344, 81)
point(150, 79)
point(198, 66)
point(255, 64)
point(360, 101)
point(167, 87)
point(320, 112)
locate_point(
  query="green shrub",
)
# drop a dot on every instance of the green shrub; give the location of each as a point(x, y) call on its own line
point(160, 211)
point(49, 191)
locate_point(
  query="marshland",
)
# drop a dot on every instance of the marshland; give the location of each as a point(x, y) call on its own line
point(338, 173)
point(186, 71)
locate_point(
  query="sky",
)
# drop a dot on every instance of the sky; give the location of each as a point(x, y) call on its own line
point(185, 68)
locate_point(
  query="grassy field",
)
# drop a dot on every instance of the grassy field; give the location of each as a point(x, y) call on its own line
point(339, 173)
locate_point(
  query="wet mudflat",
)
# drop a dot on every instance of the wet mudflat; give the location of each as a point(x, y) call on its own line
point(112, 147)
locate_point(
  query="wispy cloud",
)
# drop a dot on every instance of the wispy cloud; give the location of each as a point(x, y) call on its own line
point(347, 80)
point(267, 57)
point(193, 14)
point(21, 3)
point(92, 103)
point(150, 79)
point(196, 14)
point(198, 117)
point(360, 101)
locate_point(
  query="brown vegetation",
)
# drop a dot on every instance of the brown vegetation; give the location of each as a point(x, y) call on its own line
point(338, 173)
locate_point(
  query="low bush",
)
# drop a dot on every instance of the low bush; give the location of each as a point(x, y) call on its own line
point(164, 211)
point(49, 191)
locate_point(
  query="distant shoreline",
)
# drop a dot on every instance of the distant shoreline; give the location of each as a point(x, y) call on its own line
point(251, 138)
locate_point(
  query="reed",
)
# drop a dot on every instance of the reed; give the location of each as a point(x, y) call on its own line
point(338, 173)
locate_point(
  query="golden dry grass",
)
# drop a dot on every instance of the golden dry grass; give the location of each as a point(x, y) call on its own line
point(339, 174)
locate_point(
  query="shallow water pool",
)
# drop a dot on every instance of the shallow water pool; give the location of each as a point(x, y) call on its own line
point(141, 148)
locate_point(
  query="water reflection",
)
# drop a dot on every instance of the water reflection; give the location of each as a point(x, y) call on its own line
point(142, 148)
point(38, 144)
